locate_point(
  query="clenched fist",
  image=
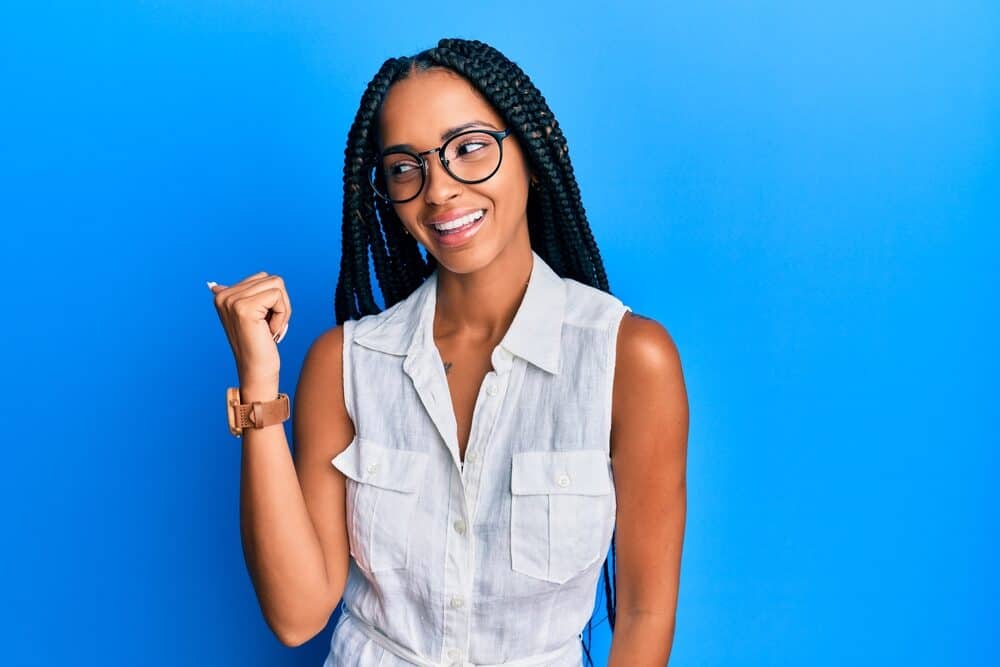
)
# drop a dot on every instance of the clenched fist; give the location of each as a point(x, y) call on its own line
point(255, 313)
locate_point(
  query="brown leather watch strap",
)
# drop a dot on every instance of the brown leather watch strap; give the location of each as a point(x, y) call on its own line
point(257, 414)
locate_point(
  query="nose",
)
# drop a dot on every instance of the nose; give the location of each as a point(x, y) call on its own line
point(440, 186)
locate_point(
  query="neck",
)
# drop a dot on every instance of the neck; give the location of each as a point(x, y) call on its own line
point(480, 305)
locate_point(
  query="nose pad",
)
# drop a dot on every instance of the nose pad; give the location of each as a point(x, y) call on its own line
point(440, 180)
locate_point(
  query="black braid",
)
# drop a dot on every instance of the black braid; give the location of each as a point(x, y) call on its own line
point(557, 221)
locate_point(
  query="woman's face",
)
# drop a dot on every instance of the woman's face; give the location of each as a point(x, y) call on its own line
point(417, 111)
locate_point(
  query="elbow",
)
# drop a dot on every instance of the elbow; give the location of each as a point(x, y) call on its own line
point(295, 629)
point(296, 634)
point(293, 637)
point(291, 640)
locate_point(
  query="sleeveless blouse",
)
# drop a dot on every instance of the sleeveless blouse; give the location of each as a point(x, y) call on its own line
point(494, 560)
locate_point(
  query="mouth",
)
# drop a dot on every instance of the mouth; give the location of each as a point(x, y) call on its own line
point(456, 232)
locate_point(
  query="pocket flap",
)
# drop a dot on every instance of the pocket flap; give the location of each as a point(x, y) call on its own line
point(585, 471)
point(386, 467)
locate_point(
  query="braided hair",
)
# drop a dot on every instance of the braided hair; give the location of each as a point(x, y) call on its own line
point(557, 223)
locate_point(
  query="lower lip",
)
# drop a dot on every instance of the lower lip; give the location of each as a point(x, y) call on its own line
point(459, 237)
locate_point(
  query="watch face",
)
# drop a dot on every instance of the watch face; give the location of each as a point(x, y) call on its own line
point(232, 406)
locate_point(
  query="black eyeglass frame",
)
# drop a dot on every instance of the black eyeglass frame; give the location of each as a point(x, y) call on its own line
point(499, 135)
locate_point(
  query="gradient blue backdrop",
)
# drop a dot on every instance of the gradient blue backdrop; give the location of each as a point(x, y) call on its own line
point(804, 194)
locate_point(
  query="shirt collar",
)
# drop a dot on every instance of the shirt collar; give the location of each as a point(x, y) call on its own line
point(535, 334)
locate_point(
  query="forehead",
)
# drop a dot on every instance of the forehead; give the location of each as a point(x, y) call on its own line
point(419, 108)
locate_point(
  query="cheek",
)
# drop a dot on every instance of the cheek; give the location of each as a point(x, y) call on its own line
point(513, 199)
point(509, 192)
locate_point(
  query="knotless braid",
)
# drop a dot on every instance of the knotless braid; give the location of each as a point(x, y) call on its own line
point(557, 221)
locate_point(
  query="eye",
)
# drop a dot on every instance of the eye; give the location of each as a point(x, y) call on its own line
point(472, 146)
point(401, 167)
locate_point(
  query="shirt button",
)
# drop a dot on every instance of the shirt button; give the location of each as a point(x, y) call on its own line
point(563, 480)
point(491, 390)
point(470, 457)
point(454, 654)
point(457, 602)
point(372, 467)
point(460, 527)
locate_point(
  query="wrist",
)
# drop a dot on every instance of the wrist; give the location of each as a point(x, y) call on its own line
point(255, 407)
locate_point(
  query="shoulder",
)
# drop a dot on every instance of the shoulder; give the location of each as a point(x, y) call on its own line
point(321, 423)
point(649, 388)
point(322, 368)
point(646, 347)
point(327, 347)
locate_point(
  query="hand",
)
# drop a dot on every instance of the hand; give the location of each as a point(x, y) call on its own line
point(255, 314)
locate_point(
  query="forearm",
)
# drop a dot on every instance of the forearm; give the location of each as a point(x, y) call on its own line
point(282, 550)
point(641, 640)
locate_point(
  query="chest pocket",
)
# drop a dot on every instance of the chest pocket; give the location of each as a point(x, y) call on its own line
point(562, 512)
point(382, 490)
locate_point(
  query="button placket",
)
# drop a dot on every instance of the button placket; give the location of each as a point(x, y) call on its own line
point(494, 384)
point(458, 575)
point(461, 548)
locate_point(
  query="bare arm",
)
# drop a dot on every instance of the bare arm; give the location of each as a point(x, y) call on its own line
point(292, 511)
point(649, 454)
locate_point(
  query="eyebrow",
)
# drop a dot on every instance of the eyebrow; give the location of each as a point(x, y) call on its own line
point(447, 134)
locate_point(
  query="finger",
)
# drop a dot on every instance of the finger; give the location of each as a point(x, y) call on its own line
point(281, 336)
point(220, 311)
point(279, 322)
point(276, 314)
point(225, 295)
point(253, 276)
point(227, 299)
point(249, 285)
point(265, 306)
point(279, 315)
point(215, 287)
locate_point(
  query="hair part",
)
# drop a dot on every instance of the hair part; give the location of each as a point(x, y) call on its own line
point(557, 222)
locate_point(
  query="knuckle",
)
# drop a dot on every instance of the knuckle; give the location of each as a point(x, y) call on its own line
point(253, 276)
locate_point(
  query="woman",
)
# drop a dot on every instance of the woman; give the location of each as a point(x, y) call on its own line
point(465, 457)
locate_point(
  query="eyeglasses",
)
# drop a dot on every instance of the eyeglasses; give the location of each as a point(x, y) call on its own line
point(473, 156)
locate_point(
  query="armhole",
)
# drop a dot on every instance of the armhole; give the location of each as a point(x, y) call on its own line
point(347, 370)
point(612, 356)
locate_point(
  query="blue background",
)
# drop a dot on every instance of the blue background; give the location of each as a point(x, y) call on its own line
point(804, 194)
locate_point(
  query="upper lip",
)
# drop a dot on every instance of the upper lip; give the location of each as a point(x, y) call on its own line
point(453, 214)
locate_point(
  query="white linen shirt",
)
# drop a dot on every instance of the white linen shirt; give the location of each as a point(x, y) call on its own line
point(494, 560)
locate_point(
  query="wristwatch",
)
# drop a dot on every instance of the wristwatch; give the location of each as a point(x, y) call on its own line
point(257, 414)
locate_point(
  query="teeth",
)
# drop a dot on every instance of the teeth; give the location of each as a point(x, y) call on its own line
point(459, 222)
